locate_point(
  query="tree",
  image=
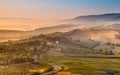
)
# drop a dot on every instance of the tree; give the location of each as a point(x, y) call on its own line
point(105, 52)
point(108, 43)
point(111, 52)
point(2, 48)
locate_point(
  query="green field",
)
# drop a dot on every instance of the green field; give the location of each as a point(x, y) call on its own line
point(91, 66)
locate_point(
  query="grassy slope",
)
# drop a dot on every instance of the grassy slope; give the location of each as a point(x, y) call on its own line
point(89, 66)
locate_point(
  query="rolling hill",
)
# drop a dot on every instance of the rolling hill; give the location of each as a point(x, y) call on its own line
point(94, 33)
point(101, 35)
point(14, 34)
point(82, 34)
point(101, 17)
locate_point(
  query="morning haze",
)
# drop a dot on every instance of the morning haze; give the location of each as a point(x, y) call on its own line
point(59, 37)
point(45, 13)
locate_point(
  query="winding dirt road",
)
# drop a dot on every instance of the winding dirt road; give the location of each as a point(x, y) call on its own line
point(56, 68)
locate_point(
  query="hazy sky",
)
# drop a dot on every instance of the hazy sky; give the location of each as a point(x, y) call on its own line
point(40, 13)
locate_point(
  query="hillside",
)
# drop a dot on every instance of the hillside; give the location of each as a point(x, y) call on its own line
point(103, 21)
point(100, 18)
point(85, 33)
point(36, 52)
point(80, 45)
point(73, 43)
point(56, 43)
point(107, 35)
point(11, 35)
point(15, 35)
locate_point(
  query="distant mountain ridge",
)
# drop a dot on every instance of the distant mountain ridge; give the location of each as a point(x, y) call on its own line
point(101, 17)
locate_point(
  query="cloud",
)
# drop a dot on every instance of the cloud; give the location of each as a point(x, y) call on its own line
point(17, 18)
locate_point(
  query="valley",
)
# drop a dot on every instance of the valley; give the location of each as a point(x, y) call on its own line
point(65, 49)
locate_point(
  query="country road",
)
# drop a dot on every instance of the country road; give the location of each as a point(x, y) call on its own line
point(56, 68)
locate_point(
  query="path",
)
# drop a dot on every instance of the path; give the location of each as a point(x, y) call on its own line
point(56, 68)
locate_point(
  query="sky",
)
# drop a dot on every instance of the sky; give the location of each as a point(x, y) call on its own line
point(27, 14)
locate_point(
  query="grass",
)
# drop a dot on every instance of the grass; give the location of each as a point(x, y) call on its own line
point(13, 71)
point(73, 65)
point(89, 66)
point(25, 69)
